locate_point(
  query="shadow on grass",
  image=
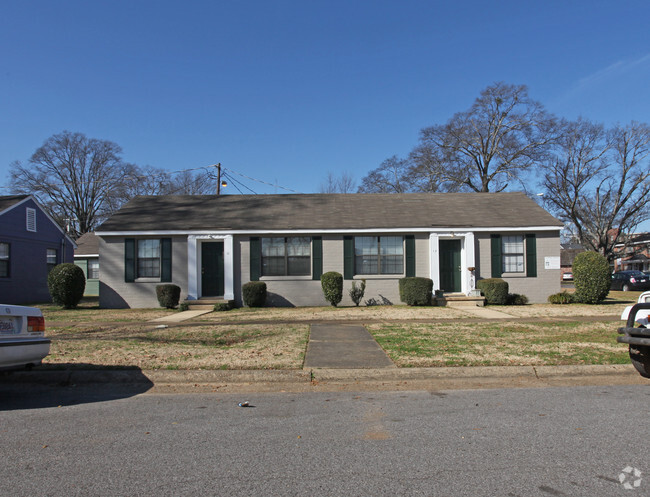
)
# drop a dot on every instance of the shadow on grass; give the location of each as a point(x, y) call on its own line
point(69, 384)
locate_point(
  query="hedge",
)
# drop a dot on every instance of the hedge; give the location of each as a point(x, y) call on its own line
point(415, 290)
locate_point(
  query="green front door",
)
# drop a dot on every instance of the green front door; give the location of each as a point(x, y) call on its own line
point(450, 265)
point(212, 269)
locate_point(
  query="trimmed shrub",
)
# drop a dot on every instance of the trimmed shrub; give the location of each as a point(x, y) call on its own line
point(168, 295)
point(356, 292)
point(66, 283)
point(495, 290)
point(222, 307)
point(254, 293)
point(332, 284)
point(415, 290)
point(592, 277)
point(517, 299)
point(183, 306)
point(561, 298)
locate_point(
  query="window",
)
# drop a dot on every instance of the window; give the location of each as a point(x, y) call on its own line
point(286, 256)
point(148, 259)
point(379, 254)
point(4, 260)
point(513, 254)
point(31, 219)
point(93, 269)
point(52, 259)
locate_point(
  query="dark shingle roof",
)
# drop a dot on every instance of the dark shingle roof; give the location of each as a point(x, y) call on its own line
point(87, 244)
point(7, 201)
point(328, 212)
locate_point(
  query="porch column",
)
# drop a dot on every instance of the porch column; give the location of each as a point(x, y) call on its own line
point(228, 268)
point(434, 260)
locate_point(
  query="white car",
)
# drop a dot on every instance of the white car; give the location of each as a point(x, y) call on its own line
point(22, 337)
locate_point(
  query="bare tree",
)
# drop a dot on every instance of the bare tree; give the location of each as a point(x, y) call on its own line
point(392, 176)
point(504, 134)
point(345, 183)
point(599, 182)
point(73, 177)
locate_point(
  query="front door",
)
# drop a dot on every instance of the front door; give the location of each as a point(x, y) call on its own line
point(450, 266)
point(212, 269)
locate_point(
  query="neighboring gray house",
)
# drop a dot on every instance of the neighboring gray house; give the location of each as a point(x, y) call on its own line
point(86, 256)
point(31, 243)
point(211, 245)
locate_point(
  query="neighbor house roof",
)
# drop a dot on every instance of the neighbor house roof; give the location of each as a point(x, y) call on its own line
point(87, 244)
point(7, 201)
point(328, 212)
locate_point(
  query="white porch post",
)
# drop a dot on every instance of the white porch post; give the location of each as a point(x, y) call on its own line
point(434, 260)
point(468, 261)
point(228, 268)
point(192, 268)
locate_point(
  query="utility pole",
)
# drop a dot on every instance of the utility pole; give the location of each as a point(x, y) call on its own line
point(219, 178)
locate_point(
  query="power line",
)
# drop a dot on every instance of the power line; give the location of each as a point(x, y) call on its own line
point(259, 180)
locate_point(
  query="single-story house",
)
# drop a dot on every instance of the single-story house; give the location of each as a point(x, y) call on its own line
point(31, 244)
point(634, 256)
point(86, 256)
point(211, 245)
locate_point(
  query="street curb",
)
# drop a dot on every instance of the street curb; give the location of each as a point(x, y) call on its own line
point(450, 378)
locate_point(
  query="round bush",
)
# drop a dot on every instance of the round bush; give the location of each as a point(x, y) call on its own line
point(517, 299)
point(66, 283)
point(415, 290)
point(592, 277)
point(168, 295)
point(332, 284)
point(495, 290)
point(254, 293)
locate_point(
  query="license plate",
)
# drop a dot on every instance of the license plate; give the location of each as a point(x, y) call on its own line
point(8, 327)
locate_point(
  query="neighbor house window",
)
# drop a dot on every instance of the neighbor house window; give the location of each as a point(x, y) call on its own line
point(148, 259)
point(52, 259)
point(4, 260)
point(379, 254)
point(286, 256)
point(512, 251)
point(93, 269)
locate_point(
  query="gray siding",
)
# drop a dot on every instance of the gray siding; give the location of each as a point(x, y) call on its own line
point(536, 289)
point(114, 292)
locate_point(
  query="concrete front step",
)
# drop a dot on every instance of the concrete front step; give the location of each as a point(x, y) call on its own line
point(459, 300)
point(206, 303)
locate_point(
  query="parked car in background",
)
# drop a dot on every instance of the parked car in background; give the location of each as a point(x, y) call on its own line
point(567, 276)
point(22, 337)
point(630, 280)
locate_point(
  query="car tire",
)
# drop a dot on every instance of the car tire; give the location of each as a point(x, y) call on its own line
point(640, 357)
point(626, 288)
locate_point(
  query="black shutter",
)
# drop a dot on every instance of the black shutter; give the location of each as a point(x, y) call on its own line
point(165, 260)
point(348, 257)
point(497, 263)
point(255, 258)
point(410, 255)
point(129, 260)
point(316, 257)
point(531, 256)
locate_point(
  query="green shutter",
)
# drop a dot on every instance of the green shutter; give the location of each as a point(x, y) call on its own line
point(531, 256)
point(410, 255)
point(316, 257)
point(165, 260)
point(255, 258)
point(497, 262)
point(348, 257)
point(129, 260)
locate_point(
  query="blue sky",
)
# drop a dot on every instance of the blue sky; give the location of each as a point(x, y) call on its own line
point(285, 91)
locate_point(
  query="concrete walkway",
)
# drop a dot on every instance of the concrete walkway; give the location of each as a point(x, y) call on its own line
point(178, 317)
point(336, 346)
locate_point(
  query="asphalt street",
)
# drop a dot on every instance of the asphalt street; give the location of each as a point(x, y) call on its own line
point(578, 441)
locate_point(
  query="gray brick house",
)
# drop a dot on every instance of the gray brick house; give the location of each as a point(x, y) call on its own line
point(211, 245)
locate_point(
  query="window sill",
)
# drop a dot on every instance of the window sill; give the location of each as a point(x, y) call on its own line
point(147, 280)
point(286, 278)
point(378, 276)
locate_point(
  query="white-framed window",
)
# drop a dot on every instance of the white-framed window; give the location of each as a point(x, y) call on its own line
point(512, 251)
point(378, 254)
point(30, 219)
point(4, 260)
point(93, 269)
point(286, 256)
point(51, 259)
point(148, 255)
